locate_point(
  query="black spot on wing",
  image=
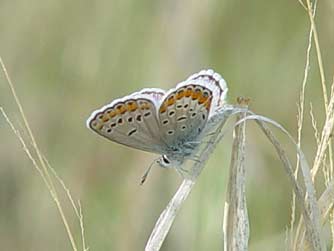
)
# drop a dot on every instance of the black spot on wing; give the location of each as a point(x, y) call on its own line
point(132, 131)
point(181, 118)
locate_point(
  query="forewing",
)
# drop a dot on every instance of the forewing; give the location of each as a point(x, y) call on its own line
point(131, 121)
point(184, 113)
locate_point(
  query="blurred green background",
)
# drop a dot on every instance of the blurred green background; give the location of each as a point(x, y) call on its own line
point(68, 58)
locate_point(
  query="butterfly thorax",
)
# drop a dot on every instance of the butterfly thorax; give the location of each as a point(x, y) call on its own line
point(179, 152)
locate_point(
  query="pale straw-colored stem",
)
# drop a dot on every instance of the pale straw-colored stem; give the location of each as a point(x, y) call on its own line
point(167, 217)
point(40, 165)
point(236, 223)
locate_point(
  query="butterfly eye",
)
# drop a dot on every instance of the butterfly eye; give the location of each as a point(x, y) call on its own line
point(109, 130)
point(193, 114)
point(165, 122)
point(185, 106)
point(120, 121)
point(179, 106)
point(183, 127)
point(170, 132)
point(203, 116)
point(165, 159)
point(205, 94)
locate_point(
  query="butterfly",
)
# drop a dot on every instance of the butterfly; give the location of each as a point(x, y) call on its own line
point(169, 123)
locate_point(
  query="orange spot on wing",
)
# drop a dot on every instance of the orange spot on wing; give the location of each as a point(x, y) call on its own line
point(189, 92)
point(202, 99)
point(105, 118)
point(112, 113)
point(207, 104)
point(171, 101)
point(163, 108)
point(145, 106)
point(132, 106)
point(121, 109)
point(195, 95)
point(180, 94)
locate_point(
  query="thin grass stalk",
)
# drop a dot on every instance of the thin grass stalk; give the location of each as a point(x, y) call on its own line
point(324, 143)
point(331, 177)
point(41, 166)
point(326, 203)
point(167, 217)
point(236, 223)
point(300, 122)
point(77, 208)
point(310, 12)
point(325, 136)
point(322, 77)
point(320, 156)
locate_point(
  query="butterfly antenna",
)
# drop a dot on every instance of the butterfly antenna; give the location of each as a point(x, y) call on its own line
point(144, 177)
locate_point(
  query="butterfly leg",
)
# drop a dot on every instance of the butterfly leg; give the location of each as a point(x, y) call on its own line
point(195, 158)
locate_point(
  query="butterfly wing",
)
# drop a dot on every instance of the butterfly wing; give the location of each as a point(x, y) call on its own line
point(131, 121)
point(184, 113)
point(214, 82)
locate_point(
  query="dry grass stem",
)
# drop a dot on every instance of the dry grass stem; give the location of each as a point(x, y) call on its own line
point(40, 165)
point(76, 207)
point(314, 125)
point(323, 85)
point(310, 12)
point(325, 137)
point(326, 201)
point(167, 217)
point(309, 206)
point(325, 206)
point(300, 121)
point(236, 224)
